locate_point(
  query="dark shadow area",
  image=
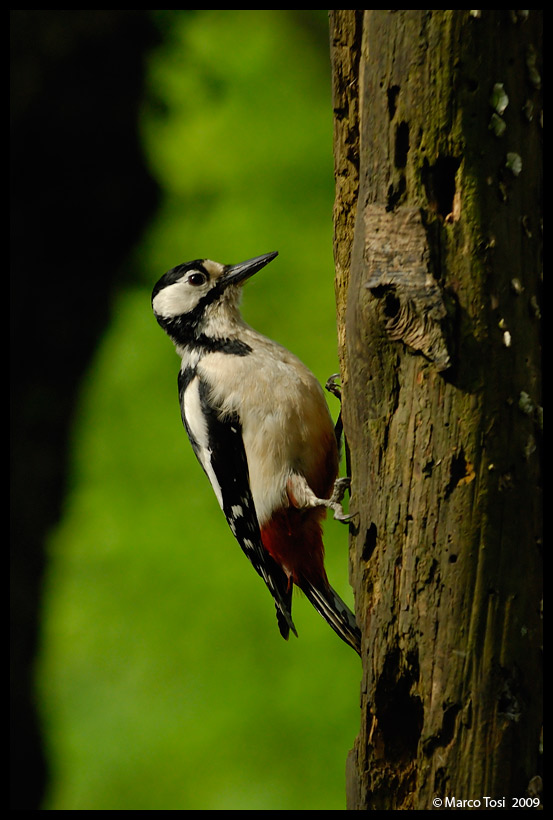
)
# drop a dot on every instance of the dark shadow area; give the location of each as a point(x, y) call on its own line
point(80, 198)
point(439, 183)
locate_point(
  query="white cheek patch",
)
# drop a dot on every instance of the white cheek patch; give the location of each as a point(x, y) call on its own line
point(177, 299)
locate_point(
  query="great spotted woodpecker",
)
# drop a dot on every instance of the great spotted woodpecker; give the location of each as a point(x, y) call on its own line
point(260, 427)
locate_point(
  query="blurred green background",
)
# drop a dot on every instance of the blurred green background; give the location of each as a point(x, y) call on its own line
point(163, 681)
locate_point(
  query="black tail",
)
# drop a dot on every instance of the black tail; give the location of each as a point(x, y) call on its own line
point(283, 606)
point(335, 612)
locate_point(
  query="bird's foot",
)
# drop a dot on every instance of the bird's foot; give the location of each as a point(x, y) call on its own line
point(332, 387)
point(335, 500)
point(302, 496)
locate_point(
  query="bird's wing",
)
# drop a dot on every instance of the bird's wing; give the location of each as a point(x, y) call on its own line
point(217, 441)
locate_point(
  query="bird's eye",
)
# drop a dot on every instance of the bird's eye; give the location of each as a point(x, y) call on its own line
point(197, 278)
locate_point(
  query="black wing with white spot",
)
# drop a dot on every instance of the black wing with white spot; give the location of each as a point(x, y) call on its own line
point(219, 447)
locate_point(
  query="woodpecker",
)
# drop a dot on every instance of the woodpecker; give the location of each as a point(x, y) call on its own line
point(260, 427)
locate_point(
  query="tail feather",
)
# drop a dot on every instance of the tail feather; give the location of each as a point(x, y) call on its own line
point(283, 606)
point(336, 613)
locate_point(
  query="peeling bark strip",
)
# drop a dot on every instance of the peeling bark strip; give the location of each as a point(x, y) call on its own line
point(412, 308)
point(436, 205)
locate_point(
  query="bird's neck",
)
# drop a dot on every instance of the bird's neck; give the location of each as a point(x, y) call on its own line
point(218, 330)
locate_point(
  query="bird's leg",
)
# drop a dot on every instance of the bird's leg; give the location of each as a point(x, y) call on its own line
point(339, 489)
point(333, 388)
point(302, 496)
point(341, 484)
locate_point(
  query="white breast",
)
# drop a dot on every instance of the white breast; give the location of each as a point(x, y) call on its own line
point(282, 409)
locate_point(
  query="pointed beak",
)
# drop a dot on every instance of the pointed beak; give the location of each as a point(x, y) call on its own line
point(235, 274)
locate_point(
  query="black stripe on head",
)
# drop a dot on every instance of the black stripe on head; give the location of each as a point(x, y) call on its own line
point(177, 273)
point(186, 329)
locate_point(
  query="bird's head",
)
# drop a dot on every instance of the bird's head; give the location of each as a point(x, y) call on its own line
point(191, 299)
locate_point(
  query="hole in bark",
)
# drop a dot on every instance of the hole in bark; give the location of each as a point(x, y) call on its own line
point(393, 93)
point(390, 304)
point(395, 192)
point(448, 724)
point(370, 543)
point(446, 733)
point(457, 471)
point(432, 572)
point(439, 184)
point(510, 702)
point(399, 712)
point(402, 145)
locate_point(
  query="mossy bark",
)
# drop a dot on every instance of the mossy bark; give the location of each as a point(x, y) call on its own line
point(438, 151)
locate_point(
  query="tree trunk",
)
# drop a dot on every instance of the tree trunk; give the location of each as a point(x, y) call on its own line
point(438, 257)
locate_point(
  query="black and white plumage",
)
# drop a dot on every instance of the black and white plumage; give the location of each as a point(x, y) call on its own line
point(259, 425)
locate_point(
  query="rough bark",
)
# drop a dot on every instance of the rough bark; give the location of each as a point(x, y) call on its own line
point(438, 257)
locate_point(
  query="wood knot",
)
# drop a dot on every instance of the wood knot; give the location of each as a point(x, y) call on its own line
point(411, 305)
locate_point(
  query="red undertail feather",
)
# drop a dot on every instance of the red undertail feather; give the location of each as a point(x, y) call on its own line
point(294, 539)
